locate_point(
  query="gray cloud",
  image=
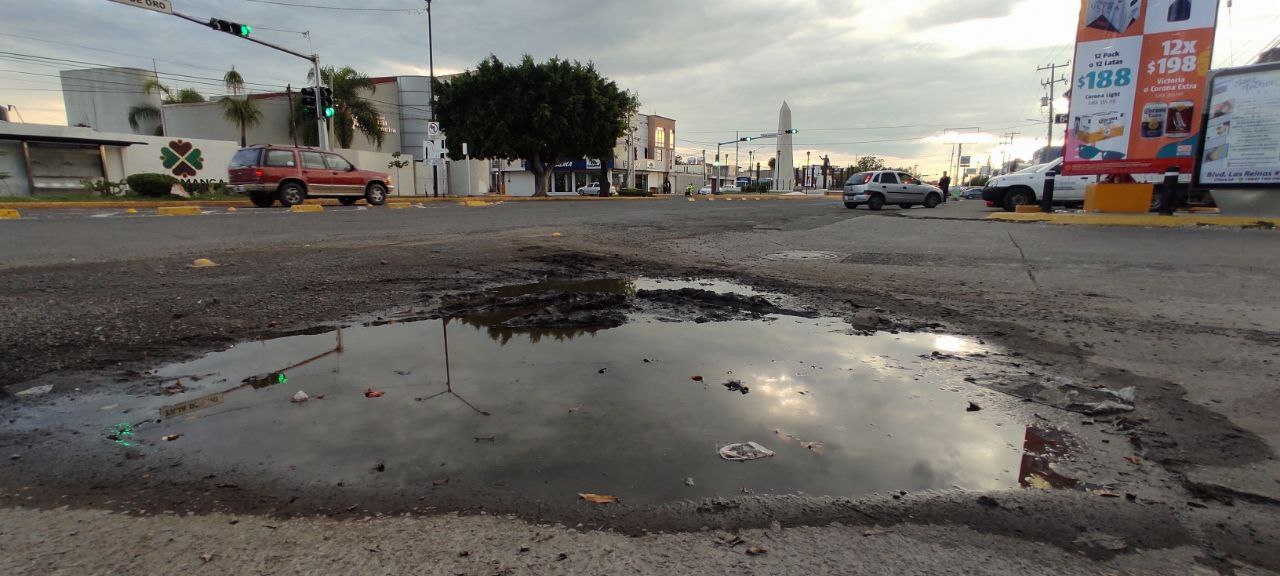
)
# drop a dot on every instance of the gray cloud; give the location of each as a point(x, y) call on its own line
point(942, 12)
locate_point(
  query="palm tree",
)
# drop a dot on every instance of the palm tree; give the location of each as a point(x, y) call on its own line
point(233, 81)
point(352, 110)
point(242, 112)
point(148, 113)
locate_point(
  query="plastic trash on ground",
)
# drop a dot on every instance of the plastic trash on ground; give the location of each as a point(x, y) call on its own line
point(300, 397)
point(36, 391)
point(745, 451)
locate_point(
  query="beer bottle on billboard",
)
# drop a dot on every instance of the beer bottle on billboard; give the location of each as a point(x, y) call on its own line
point(1180, 11)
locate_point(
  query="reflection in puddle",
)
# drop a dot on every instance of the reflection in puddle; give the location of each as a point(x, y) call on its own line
point(1040, 449)
point(616, 413)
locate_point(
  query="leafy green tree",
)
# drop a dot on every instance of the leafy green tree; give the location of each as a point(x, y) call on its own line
point(352, 110)
point(542, 113)
point(146, 113)
point(242, 112)
point(869, 164)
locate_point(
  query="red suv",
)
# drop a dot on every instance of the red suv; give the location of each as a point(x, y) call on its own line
point(291, 175)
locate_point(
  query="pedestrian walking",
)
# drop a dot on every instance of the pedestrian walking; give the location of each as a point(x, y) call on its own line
point(945, 185)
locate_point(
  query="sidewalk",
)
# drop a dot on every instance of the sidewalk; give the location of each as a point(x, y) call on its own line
point(152, 204)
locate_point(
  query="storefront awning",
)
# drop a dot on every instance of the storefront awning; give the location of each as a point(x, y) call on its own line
point(65, 139)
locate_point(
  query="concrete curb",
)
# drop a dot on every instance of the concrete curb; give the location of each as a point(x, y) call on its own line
point(179, 211)
point(1139, 220)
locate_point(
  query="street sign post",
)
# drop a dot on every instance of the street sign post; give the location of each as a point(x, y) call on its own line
point(162, 6)
point(433, 130)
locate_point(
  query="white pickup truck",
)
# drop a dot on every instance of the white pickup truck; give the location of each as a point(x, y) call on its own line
point(1027, 185)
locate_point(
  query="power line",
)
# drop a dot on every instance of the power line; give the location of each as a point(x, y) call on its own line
point(342, 8)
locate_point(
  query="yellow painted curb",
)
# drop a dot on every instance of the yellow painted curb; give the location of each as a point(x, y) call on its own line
point(9, 215)
point(306, 208)
point(1139, 220)
point(178, 210)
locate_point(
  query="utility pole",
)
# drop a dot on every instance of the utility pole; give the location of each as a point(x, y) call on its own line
point(431, 66)
point(736, 138)
point(1051, 84)
point(1006, 142)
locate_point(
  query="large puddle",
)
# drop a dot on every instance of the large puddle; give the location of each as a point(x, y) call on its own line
point(638, 411)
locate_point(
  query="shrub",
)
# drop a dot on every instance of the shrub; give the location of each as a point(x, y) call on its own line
point(634, 192)
point(151, 185)
point(204, 187)
point(104, 188)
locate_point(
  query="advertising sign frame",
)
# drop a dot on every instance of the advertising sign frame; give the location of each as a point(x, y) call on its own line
point(1221, 116)
point(1137, 85)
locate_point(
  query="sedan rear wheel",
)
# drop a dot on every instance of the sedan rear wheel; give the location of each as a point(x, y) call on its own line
point(932, 201)
point(876, 202)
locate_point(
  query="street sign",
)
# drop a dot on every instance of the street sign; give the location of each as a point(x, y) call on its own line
point(433, 130)
point(163, 6)
point(965, 161)
point(1060, 118)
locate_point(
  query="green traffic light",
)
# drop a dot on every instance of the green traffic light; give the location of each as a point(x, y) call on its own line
point(245, 30)
point(328, 112)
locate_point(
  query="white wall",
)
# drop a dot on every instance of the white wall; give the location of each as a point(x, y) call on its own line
point(215, 156)
point(11, 162)
point(101, 97)
point(479, 177)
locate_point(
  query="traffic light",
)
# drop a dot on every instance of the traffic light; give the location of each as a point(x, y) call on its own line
point(326, 102)
point(309, 102)
point(241, 30)
point(746, 138)
point(792, 131)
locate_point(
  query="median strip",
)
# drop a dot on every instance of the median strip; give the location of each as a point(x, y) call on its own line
point(309, 208)
point(1138, 220)
point(9, 215)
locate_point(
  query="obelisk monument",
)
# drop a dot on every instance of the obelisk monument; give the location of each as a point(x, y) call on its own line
point(784, 173)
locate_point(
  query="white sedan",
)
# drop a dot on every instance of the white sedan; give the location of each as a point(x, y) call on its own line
point(726, 189)
point(594, 190)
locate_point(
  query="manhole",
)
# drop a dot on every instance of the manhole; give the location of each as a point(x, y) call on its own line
point(802, 255)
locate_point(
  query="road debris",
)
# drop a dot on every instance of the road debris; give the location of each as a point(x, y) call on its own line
point(732, 541)
point(1136, 461)
point(35, 391)
point(444, 482)
point(688, 482)
point(175, 388)
point(109, 407)
point(988, 502)
point(1062, 393)
point(599, 498)
point(575, 408)
point(815, 447)
point(736, 386)
point(203, 263)
point(207, 557)
point(973, 407)
point(381, 467)
point(696, 378)
point(745, 451)
point(486, 439)
point(370, 393)
point(299, 397)
point(171, 437)
point(756, 551)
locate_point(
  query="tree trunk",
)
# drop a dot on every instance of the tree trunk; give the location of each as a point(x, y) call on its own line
point(541, 176)
point(605, 180)
point(243, 140)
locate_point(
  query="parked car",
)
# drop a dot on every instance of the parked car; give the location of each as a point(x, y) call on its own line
point(875, 189)
point(1026, 186)
point(594, 190)
point(971, 193)
point(724, 189)
point(290, 175)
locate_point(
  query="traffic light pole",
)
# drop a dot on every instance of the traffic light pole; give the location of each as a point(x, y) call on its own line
point(315, 67)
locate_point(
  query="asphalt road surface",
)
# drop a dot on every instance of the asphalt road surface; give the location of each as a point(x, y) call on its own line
point(1187, 483)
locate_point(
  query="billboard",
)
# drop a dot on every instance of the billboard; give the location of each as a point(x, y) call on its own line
point(1241, 146)
point(1137, 93)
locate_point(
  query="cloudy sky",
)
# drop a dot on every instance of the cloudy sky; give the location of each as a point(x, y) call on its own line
point(862, 77)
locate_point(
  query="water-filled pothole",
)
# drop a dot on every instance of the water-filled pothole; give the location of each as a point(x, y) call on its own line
point(492, 405)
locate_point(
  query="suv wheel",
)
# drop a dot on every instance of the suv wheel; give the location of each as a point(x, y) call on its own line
point(348, 200)
point(376, 194)
point(261, 199)
point(932, 201)
point(1017, 197)
point(291, 194)
point(876, 202)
